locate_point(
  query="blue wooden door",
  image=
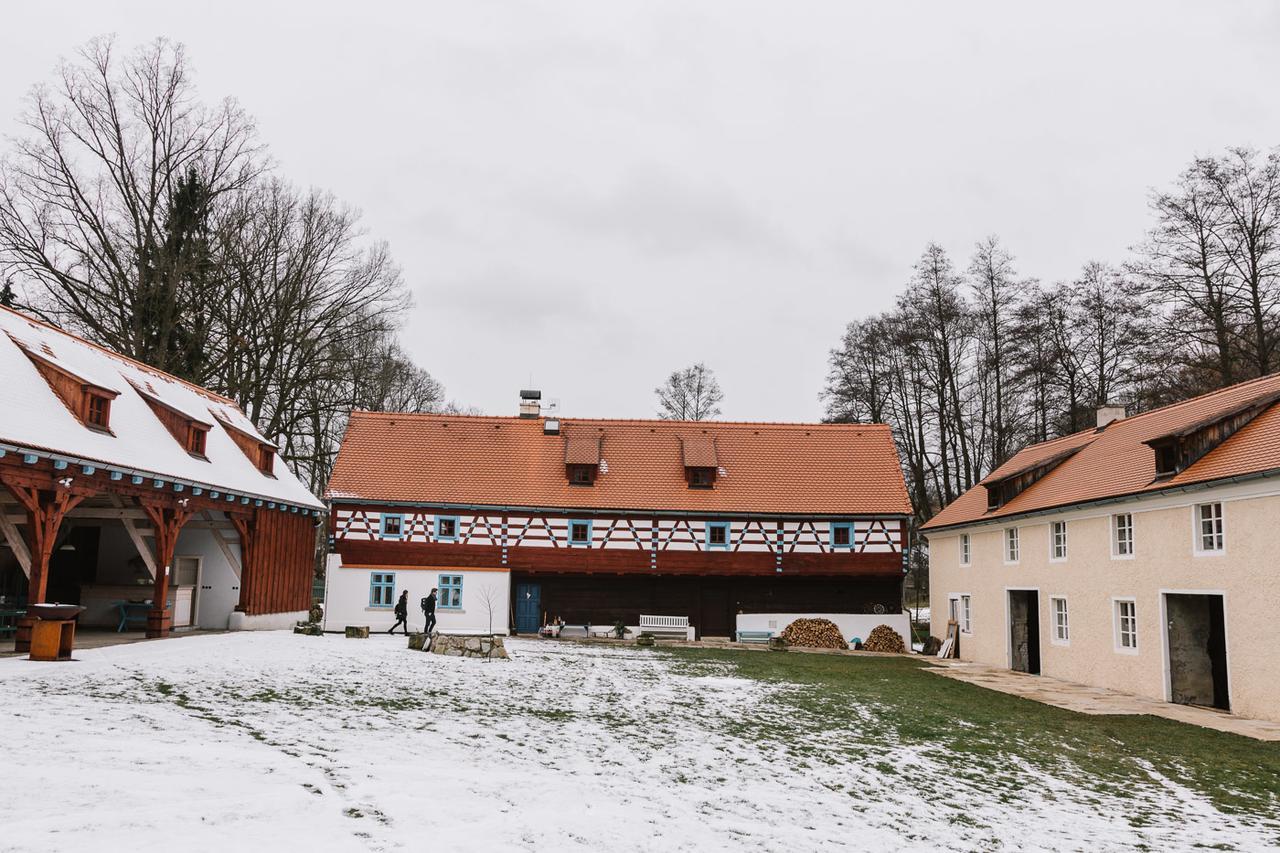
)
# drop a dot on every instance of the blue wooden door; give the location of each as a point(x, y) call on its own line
point(528, 608)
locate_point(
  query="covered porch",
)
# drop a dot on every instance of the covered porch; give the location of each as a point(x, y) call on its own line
point(139, 553)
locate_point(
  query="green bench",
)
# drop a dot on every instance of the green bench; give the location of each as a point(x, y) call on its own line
point(754, 636)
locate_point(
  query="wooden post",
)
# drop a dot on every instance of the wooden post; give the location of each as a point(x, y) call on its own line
point(45, 510)
point(168, 523)
point(246, 528)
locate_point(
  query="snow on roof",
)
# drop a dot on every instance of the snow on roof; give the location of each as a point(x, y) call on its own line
point(32, 416)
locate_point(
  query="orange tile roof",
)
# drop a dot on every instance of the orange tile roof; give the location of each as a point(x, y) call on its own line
point(1115, 461)
point(830, 469)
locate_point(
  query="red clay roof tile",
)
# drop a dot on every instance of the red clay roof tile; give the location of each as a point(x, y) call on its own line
point(834, 469)
point(1116, 461)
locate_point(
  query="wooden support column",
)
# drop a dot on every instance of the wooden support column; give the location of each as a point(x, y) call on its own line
point(247, 528)
point(168, 521)
point(45, 510)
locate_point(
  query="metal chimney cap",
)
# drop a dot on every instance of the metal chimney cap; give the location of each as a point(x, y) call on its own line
point(528, 394)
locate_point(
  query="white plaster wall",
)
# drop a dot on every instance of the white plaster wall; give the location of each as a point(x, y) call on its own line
point(1164, 560)
point(219, 588)
point(851, 624)
point(347, 598)
point(265, 621)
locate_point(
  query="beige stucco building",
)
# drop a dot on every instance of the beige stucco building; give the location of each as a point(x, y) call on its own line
point(1142, 556)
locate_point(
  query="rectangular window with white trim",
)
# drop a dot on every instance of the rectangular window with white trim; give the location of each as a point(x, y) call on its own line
point(1058, 540)
point(1061, 628)
point(1122, 535)
point(1011, 545)
point(1210, 538)
point(966, 615)
point(1126, 619)
point(964, 549)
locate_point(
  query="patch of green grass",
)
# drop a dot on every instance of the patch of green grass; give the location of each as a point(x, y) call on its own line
point(883, 702)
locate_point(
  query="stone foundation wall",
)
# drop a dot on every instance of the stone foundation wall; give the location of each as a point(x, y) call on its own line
point(460, 645)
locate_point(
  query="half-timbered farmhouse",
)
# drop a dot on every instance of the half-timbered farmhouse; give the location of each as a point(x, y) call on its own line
point(521, 521)
point(1140, 555)
point(143, 498)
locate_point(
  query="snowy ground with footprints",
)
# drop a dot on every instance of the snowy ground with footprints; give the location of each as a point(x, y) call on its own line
point(275, 741)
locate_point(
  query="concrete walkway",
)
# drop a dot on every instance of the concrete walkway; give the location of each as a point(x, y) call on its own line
point(1084, 699)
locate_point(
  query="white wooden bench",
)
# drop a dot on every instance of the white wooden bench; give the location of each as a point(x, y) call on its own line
point(676, 626)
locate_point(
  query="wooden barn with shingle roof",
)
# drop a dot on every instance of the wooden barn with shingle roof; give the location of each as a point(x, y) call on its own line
point(595, 522)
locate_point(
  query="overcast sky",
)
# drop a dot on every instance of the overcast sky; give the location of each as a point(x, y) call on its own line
point(586, 196)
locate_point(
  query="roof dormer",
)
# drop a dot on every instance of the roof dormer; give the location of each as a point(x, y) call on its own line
point(582, 458)
point(261, 453)
point(190, 432)
point(1008, 486)
point(88, 401)
point(701, 464)
point(1177, 451)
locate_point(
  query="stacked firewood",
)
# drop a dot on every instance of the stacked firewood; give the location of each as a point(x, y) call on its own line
point(884, 639)
point(814, 634)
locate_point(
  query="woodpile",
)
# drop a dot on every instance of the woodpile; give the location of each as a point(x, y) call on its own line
point(884, 639)
point(814, 634)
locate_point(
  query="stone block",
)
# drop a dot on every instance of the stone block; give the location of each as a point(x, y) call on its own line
point(357, 632)
point(417, 642)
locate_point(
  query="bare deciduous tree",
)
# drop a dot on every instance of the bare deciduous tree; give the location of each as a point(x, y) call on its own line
point(149, 222)
point(692, 394)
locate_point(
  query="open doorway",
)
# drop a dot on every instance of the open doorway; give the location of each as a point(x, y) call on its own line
point(1024, 631)
point(1196, 640)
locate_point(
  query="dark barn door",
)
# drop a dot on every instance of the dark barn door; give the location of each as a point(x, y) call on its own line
point(1024, 631)
point(528, 608)
point(1197, 650)
point(717, 620)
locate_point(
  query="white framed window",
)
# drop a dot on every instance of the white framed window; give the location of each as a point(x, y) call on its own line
point(1061, 627)
point(1058, 541)
point(1122, 535)
point(1126, 625)
point(1210, 534)
point(965, 553)
point(1011, 544)
point(962, 611)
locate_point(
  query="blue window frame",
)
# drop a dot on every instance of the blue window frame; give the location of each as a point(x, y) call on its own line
point(382, 589)
point(718, 535)
point(450, 592)
point(392, 526)
point(446, 528)
point(841, 534)
point(580, 532)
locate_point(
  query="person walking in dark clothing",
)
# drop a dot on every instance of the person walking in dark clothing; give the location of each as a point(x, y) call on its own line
point(429, 611)
point(402, 614)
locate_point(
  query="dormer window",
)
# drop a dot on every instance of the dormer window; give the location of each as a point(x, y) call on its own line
point(97, 411)
point(196, 439)
point(701, 478)
point(266, 458)
point(582, 475)
point(1166, 459)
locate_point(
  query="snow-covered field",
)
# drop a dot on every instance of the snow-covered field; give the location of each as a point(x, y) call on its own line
point(270, 741)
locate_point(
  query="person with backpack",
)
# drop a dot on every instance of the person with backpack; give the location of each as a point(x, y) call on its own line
point(429, 611)
point(402, 614)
